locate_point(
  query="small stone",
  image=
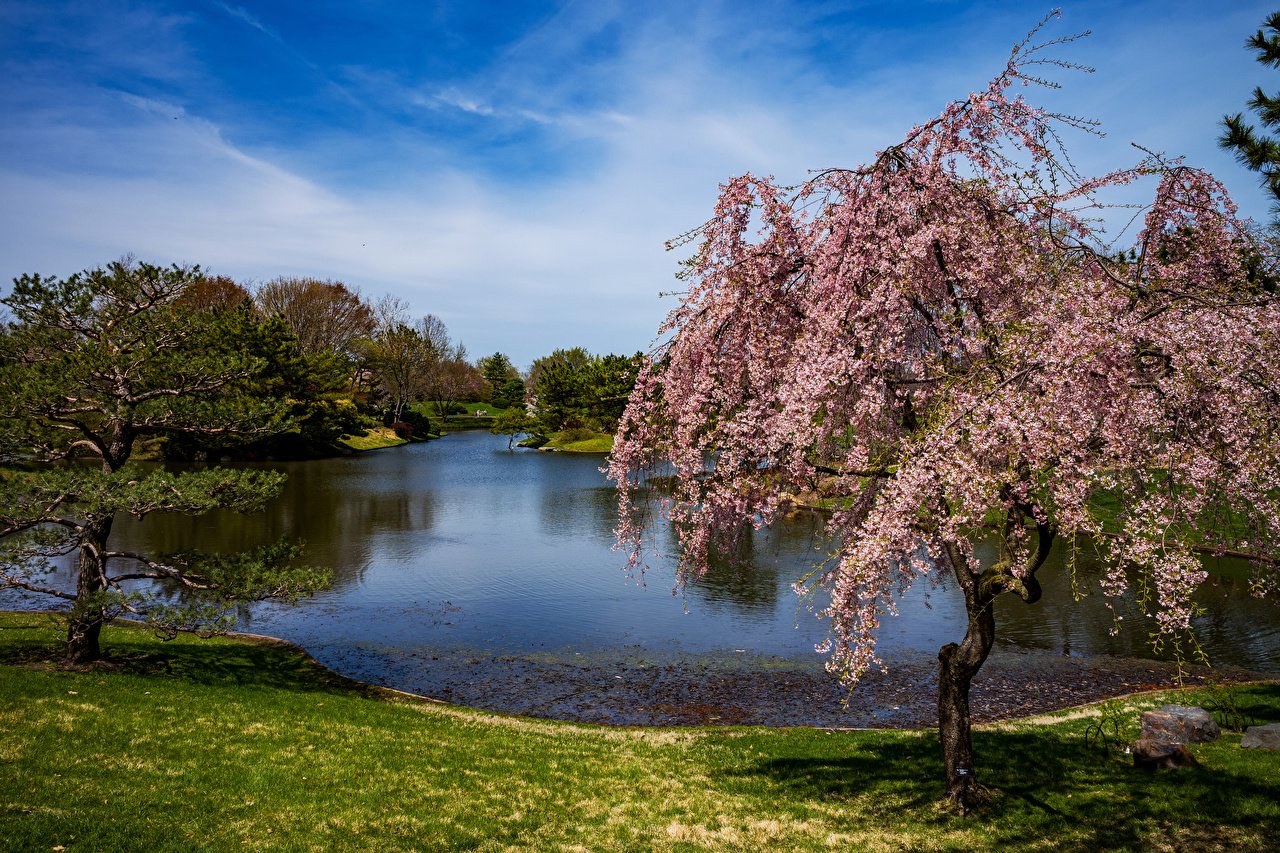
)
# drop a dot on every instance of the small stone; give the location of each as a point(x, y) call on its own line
point(1261, 737)
point(1161, 755)
point(1179, 724)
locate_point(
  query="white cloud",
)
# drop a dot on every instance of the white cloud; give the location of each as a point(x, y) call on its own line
point(240, 13)
point(572, 254)
point(454, 98)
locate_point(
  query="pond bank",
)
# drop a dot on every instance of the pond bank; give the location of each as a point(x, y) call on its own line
point(636, 687)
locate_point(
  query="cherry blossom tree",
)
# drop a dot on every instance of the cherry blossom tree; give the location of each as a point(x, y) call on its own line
point(944, 339)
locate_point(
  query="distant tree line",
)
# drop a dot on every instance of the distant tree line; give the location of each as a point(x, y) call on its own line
point(341, 364)
point(572, 391)
point(346, 363)
point(112, 363)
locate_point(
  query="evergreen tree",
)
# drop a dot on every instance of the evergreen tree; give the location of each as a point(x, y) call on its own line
point(505, 385)
point(513, 422)
point(556, 383)
point(608, 382)
point(574, 386)
point(90, 366)
point(1253, 148)
point(559, 394)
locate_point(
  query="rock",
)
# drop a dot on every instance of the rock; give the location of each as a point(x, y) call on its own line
point(1261, 737)
point(1179, 724)
point(1161, 755)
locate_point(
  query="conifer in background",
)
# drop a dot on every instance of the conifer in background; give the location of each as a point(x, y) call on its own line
point(1252, 147)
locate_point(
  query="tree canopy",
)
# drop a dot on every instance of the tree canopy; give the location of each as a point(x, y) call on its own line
point(572, 386)
point(323, 315)
point(947, 341)
point(91, 365)
point(506, 388)
point(451, 378)
point(399, 357)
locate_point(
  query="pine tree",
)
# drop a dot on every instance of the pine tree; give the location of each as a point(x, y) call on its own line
point(90, 367)
point(1253, 148)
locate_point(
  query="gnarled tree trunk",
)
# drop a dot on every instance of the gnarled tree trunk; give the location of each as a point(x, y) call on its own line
point(89, 613)
point(959, 663)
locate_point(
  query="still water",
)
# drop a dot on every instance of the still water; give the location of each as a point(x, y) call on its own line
point(460, 544)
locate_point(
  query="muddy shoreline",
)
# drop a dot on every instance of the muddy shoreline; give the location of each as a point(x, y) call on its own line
point(728, 688)
point(635, 686)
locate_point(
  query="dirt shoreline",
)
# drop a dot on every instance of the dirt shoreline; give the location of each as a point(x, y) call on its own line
point(726, 689)
point(633, 686)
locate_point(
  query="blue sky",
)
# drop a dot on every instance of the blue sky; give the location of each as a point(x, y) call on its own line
point(515, 167)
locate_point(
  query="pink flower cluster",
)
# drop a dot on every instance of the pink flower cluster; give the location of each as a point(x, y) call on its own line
point(940, 337)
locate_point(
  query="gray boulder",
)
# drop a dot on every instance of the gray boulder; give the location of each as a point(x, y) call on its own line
point(1179, 724)
point(1261, 737)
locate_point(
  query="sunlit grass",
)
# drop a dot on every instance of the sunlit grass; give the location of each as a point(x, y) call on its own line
point(373, 439)
point(599, 443)
point(490, 410)
point(232, 744)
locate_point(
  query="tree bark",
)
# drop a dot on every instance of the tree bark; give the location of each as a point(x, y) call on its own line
point(89, 612)
point(959, 663)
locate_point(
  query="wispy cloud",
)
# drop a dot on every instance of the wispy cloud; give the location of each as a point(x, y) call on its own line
point(240, 13)
point(524, 192)
point(454, 98)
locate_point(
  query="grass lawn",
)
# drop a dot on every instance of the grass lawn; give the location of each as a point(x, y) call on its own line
point(457, 422)
point(231, 744)
point(489, 409)
point(599, 443)
point(373, 439)
point(430, 409)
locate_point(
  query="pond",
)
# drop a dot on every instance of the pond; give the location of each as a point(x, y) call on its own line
point(463, 569)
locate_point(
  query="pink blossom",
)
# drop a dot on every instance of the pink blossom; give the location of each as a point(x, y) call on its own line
point(943, 333)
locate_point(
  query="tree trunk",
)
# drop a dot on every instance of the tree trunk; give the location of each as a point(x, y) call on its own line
point(89, 613)
point(959, 663)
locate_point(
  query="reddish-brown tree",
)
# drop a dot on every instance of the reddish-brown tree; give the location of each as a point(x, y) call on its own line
point(214, 293)
point(323, 315)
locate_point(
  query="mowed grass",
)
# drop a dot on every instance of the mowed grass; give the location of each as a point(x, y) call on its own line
point(232, 744)
point(563, 441)
point(375, 438)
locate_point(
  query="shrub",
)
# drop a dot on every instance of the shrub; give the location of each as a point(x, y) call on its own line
point(419, 422)
point(577, 434)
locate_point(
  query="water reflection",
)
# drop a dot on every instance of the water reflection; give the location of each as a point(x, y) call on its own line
point(1074, 617)
point(462, 544)
point(347, 512)
point(754, 575)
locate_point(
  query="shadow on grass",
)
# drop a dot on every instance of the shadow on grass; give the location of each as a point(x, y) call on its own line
point(253, 663)
point(35, 640)
point(1261, 704)
point(1048, 785)
point(898, 773)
